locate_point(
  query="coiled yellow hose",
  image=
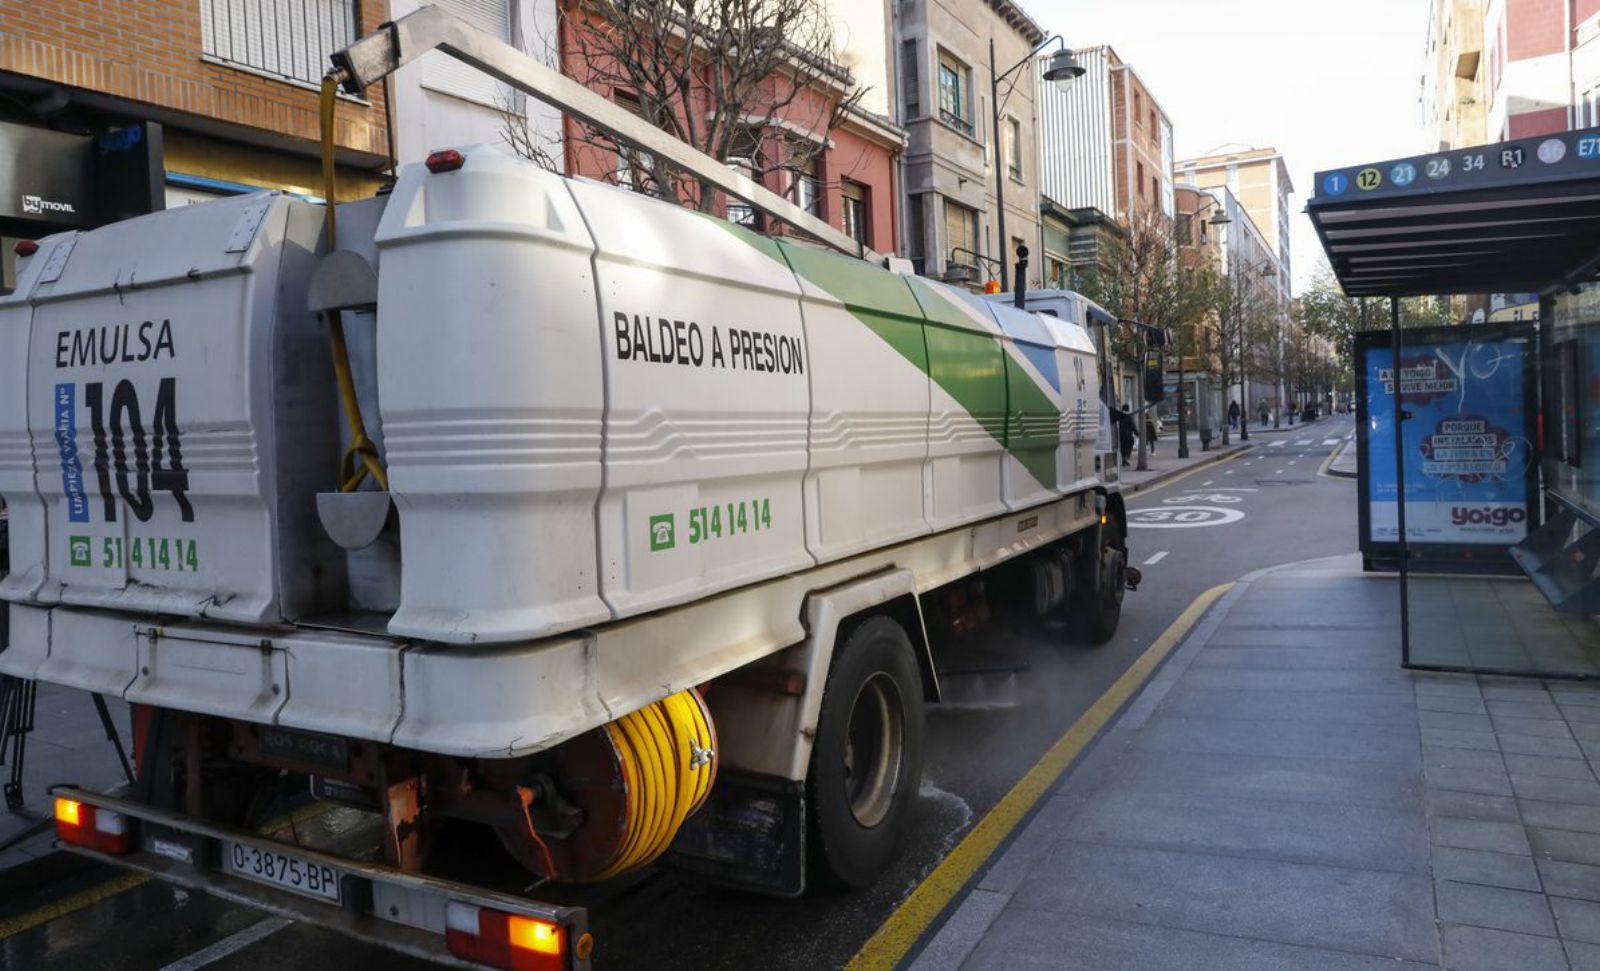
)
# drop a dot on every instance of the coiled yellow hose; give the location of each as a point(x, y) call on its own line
point(666, 755)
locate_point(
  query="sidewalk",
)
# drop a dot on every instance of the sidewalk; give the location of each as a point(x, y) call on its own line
point(67, 744)
point(1164, 464)
point(1283, 795)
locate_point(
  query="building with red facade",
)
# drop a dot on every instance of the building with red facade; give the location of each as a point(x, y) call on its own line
point(803, 133)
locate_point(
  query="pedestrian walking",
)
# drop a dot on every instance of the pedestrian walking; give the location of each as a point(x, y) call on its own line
point(1123, 421)
point(1233, 414)
point(1265, 411)
point(1152, 428)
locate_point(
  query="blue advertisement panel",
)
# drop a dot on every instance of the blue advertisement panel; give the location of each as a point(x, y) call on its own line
point(1468, 438)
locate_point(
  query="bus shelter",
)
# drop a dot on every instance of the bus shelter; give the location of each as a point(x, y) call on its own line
point(1479, 446)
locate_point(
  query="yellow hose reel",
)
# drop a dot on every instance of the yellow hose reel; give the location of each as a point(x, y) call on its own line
point(634, 781)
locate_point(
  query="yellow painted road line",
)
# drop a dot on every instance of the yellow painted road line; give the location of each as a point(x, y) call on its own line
point(912, 918)
point(1327, 463)
point(67, 905)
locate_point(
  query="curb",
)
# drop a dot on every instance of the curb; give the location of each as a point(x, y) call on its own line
point(1338, 472)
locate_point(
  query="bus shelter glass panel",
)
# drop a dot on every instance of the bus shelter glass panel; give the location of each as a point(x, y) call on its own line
point(1450, 505)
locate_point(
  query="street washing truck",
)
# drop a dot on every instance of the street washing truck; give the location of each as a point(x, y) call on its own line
point(527, 524)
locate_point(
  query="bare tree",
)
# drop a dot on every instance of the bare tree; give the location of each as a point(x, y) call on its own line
point(522, 137)
point(1243, 314)
point(752, 83)
point(1143, 281)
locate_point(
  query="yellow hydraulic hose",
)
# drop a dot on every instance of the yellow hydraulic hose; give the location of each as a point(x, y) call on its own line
point(351, 472)
point(665, 751)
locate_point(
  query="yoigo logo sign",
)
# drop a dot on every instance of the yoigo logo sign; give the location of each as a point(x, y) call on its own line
point(662, 533)
point(78, 551)
point(1487, 515)
point(38, 206)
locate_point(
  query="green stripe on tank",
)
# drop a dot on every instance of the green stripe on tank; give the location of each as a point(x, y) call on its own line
point(927, 329)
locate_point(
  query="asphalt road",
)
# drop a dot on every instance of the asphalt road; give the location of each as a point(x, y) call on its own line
point(1023, 688)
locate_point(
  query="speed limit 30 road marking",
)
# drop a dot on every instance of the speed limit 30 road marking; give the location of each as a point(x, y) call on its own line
point(1183, 517)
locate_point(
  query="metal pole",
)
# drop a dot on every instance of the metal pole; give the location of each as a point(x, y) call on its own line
point(1244, 390)
point(999, 174)
point(1183, 426)
point(1400, 480)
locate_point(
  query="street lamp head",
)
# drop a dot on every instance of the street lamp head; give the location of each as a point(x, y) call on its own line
point(1063, 68)
point(960, 274)
point(1219, 218)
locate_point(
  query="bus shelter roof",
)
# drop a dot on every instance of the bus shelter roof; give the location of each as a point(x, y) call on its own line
point(1516, 217)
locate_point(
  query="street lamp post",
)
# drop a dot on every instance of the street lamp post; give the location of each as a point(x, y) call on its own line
point(1218, 219)
point(1063, 67)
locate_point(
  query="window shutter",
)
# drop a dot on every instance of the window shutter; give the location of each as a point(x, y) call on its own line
point(911, 78)
point(445, 74)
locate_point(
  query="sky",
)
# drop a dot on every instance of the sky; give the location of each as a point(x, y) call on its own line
point(1328, 84)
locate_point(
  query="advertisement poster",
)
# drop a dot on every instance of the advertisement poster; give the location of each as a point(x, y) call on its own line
point(1467, 438)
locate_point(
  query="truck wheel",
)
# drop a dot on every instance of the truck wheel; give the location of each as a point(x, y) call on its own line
point(866, 763)
point(1099, 610)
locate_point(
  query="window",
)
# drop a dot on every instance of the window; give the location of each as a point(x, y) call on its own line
point(631, 171)
point(955, 93)
point(805, 190)
point(742, 157)
point(1138, 107)
point(288, 39)
point(445, 74)
point(910, 79)
point(1138, 171)
point(917, 234)
point(1055, 272)
point(1012, 147)
point(960, 230)
point(853, 211)
point(1155, 187)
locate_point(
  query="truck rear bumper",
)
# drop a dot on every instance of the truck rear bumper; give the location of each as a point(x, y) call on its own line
point(377, 904)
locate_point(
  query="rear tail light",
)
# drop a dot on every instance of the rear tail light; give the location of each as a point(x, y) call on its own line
point(445, 160)
point(509, 941)
point(81, 824)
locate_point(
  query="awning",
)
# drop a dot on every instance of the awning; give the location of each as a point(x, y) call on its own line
point(1516, 217)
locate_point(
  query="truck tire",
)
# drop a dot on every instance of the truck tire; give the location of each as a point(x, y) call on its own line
point(1099, 609)
point(866, 763)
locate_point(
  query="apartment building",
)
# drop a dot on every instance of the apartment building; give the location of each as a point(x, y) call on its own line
point(1106, 160)
point(805, 133)
point(1454, 111)
point(1500, 69)
point(110, 110)
point(946, 51)
point(1258, 179)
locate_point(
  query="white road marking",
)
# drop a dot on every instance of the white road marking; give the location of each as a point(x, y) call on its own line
point(1156, 559)
point(1204, 484)
point(1279, 471)
point(1230, 471)
point(1182, 517)
point(1307, 441)
point(1281, 441)
point(229, 944)
point(1291, 462)
point(1335, 441)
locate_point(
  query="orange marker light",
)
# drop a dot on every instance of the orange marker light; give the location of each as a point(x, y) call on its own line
point(993, 286)
point(539, 936)
point(68, 812)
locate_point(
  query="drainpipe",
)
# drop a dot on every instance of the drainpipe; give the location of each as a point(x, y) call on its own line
point(1566, 44)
